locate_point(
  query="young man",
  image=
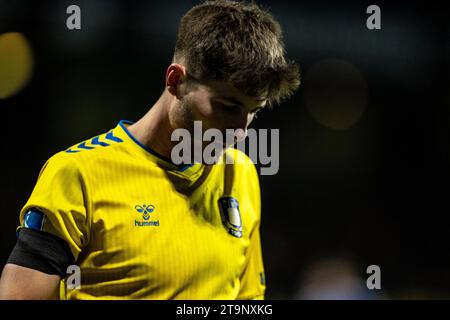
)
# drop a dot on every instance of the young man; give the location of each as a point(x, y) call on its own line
point(139, 226)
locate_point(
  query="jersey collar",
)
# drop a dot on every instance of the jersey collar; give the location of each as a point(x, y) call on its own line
point(190, 171)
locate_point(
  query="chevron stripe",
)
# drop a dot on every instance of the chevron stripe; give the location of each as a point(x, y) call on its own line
point(84, 146)
point(95, 141)
point(111, 137)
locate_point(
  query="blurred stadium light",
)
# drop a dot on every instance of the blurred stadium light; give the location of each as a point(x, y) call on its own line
point(16, 63)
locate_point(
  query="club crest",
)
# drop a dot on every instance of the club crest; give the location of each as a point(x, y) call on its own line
point(231, 217)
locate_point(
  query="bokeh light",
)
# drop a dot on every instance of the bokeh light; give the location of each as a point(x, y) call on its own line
point(16, 63)
point(335, 93)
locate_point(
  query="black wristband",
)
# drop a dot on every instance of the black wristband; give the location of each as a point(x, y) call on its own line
point(41, 251)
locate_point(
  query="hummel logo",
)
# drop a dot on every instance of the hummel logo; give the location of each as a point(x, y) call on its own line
point(145, 210)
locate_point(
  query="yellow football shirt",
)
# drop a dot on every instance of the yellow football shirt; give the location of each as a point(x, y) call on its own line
point(140, 227)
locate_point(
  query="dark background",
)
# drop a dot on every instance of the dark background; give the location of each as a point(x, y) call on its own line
point(364, 143)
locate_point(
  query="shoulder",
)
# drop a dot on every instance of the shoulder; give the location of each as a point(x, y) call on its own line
point(84, 154)
point(242, 182)
point(88, 152)
point(241, 162)
point(95, 145)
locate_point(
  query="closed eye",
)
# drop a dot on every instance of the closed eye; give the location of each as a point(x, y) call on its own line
point(229, 107)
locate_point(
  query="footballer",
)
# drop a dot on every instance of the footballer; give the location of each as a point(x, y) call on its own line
point(139, 226)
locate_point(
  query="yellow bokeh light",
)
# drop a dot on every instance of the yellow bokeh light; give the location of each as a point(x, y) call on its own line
point(16, 63)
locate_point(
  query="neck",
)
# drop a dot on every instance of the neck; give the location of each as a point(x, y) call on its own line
point(154, 128)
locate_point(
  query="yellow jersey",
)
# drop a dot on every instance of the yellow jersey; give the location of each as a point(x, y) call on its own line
point(140, 227)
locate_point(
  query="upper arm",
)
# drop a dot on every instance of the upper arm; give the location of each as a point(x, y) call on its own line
point(52, 237)
point(18, 282)
point(60, 194)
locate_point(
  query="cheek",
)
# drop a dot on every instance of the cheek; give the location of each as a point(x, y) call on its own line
point(201, 108)
point(181, 116)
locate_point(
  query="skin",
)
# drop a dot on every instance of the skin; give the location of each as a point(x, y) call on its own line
point(217, 104)
point(20, 283)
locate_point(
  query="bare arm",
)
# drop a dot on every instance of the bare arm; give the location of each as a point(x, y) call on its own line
point(20, 283)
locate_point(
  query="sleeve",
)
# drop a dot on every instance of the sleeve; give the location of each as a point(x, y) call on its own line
point(61, 195)
point(253, 283)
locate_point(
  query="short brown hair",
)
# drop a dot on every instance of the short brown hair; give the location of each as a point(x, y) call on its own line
point(238, 42)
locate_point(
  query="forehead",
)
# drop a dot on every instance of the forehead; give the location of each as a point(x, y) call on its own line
point(226, 91)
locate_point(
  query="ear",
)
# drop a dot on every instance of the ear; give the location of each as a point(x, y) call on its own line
point(175, 75)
